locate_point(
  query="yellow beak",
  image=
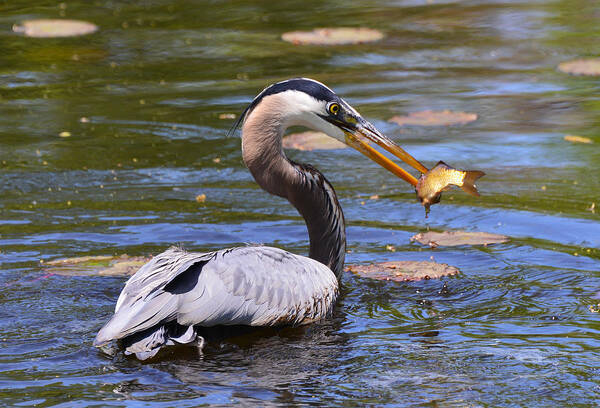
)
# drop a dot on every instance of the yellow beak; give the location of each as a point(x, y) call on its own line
point(365, 133)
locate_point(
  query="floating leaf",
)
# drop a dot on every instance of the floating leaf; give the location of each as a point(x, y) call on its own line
point(584, 66)
point(311, 141)
point(96, 265)
point(333, 36)
point(456, 238)
point(227, 116)
point(48, 28)
point(64, 134)
point(577, 139)
point(434, 118)
point(403, 271)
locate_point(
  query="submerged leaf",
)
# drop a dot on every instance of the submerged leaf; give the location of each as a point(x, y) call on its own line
point(333, 36)
point(96, 265)
point(583, 66)
point(434, 118)
point(311, 141)
point(48, 28)
point(404, 271)
point(456, 238)
point(577, 139)
point(78, 260)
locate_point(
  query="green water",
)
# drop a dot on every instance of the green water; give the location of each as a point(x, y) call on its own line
point(516, 328)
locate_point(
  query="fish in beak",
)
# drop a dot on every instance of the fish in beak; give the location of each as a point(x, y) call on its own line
point(360, 133)
point(440, 178)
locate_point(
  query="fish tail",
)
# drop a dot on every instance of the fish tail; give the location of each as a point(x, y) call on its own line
point(469, 181)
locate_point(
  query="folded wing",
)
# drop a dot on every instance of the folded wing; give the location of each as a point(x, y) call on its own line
point(252, 285)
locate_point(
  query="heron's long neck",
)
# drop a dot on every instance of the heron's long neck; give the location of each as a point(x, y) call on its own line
point(304, 186)
point(317, 202)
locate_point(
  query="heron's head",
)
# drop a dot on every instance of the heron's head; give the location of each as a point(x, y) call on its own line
point(306, 102)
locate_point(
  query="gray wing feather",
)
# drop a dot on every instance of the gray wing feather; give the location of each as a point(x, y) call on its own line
point(157, 273)
point(253, 285)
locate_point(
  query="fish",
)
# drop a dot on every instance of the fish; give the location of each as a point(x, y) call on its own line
point(431, 184)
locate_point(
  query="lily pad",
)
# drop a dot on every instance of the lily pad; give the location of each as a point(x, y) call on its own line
point(333, 36)
point(434, 118)
point(456, 238)
point(311, 141)
point(96, 265)
point(49, 28)
point(583, 66)
point(577, 139)
point(404, 271)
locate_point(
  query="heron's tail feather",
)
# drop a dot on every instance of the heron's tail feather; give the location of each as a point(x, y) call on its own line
point(147, 343)
point(137, 317)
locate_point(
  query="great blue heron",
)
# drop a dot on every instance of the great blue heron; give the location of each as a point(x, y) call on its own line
point(163, 302)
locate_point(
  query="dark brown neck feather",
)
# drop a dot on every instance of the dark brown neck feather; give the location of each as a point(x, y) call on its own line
point(315, 199)
point(304, 186)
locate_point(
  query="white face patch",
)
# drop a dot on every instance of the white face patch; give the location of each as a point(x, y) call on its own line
point(301, 109)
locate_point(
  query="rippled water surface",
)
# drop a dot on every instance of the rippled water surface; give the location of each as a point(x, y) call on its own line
point(518, 327)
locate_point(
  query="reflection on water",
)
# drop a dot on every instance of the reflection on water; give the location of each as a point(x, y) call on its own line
point(518, 325)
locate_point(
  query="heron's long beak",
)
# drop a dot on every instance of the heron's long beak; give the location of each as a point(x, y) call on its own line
point(360, 134)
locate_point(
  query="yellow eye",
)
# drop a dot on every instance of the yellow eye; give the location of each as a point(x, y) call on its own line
point(334, 108)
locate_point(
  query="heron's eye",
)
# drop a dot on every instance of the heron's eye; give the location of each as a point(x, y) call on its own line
point(334, 108)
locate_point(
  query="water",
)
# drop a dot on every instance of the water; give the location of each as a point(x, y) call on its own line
point(516, 328)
